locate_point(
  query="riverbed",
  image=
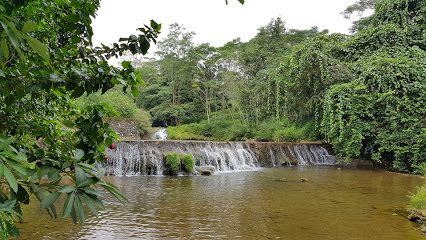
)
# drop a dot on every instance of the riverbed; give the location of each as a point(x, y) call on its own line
point(270, 203)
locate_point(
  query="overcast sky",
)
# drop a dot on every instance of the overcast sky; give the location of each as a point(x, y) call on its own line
point(213, 21)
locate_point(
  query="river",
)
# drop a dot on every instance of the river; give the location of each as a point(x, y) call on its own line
point(345, 203)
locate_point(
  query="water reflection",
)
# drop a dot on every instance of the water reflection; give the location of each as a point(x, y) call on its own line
point(334, 204)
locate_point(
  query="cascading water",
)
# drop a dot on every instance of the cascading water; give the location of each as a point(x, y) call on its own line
point(160, 134)
point(146, 157)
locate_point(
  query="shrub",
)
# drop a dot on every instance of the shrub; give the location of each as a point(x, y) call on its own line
point(123, 103)
point(418, 200)
point(188, 163)
point(289, 134)
point(143, 118)
point(172, 163)
point(184, 132)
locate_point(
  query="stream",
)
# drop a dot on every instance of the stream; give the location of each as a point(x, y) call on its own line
point(346, 203)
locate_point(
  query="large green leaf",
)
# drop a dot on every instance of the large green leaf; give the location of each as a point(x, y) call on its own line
point(11, 32)
point(4, 144)
point(1, 169)
point(80, 175)
point(4, 48)
point(108, 142)
point(66, 189)
point(17, 166)
point(49, 200)
point(79, 154)
point(38, 47)
point(89, 202)
point(69, 204)
point(11, 179)
point(80, 209)
point(135, 92)
point(29, 26)
point(88, 182)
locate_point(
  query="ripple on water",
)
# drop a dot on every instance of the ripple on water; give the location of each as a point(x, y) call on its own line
point(346, 204)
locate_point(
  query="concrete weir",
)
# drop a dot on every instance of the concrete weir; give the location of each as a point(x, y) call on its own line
point(146, 157)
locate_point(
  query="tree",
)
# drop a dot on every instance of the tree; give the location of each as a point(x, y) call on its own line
point(380, 114)
point(46, 59)
point(175, 68)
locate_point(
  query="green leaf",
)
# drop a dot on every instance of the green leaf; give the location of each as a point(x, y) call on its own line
point(1, 169)
point(17, 166)
point(8, 204)
point(9, 28)
point(2, 73)
point(73, 214)
point(68, 123)
point(79, 154)
point(101, 173)
point(66, 189)
point(108, 142)
point(21, 157)
point(54, 175)
point(4, 48)
point(88, 182)
point(68, 206)
point(4, 144)
point(80, 175)
point(135, 92)
point(49, 200)
point(11, 179)
point(39, 172)
point(125, 64)
point(73, 18)
point(29, 26)
point(38, 47)
point(90, 203)
point(80, 209)
point(59, 2)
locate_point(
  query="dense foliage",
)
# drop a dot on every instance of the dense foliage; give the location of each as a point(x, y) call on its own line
point(47, 146)
point(364, 93)
point(187, 163)
point(172, 163)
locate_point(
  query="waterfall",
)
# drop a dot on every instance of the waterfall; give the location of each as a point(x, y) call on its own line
point(160, 134)
point(146, 157)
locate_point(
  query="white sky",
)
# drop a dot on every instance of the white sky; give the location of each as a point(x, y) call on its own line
point(213, 21)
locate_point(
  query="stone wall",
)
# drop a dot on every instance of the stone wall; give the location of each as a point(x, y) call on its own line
point(125, 128)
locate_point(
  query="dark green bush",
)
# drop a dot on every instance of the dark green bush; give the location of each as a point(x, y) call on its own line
point(172, 163)
point(188, 163)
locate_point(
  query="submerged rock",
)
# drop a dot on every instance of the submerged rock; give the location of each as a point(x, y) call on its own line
point(417, 215)
point(205, 170)
point(304, 180)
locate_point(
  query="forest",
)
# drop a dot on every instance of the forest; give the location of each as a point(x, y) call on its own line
point(363, 93)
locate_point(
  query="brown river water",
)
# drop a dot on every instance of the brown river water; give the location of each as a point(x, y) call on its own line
point(334, 204)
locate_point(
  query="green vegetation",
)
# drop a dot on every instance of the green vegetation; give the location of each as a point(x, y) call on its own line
point(48, 146)
point(363, 93)
point(172, 163)
point(188, 163)
point(221, 129)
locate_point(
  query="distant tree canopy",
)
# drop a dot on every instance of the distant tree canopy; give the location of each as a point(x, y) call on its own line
point(364, 93)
